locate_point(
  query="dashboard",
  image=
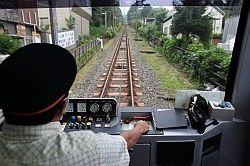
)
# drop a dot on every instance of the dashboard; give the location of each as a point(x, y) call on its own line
point(92, 107)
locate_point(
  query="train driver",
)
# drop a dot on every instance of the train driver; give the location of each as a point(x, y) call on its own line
point(34, 86)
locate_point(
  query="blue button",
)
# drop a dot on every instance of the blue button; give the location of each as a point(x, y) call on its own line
point(73, 118)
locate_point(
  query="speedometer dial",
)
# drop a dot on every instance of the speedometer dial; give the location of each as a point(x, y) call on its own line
point(107, 107)
point(94, 107)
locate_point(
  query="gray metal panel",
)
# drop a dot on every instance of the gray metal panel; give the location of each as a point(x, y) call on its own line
point(140, 155)
point(211, 159)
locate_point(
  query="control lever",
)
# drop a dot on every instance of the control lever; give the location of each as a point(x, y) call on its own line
point(108, 120)
point(127, 121)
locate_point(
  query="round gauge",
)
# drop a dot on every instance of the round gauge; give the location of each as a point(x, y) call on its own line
point(107, 107)
point(94, 107)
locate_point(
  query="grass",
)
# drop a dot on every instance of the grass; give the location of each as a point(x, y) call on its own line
point(88, 66)
point(171, 79)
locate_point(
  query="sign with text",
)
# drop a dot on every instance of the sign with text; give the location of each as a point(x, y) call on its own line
point(66, 39)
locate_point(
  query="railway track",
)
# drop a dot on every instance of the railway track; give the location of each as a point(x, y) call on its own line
point(120, 79)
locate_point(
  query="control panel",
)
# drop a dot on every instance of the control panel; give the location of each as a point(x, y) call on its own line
point(89, 114)
point(103, 115)
point(92, 107)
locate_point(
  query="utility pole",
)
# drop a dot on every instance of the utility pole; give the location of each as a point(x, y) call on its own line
point(138, 3)
point(105, 14)
point(113, 18)
point(53, 21)
point(136, 15)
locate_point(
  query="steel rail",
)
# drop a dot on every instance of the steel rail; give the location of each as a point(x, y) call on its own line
point(130, 73)
point(111, 67)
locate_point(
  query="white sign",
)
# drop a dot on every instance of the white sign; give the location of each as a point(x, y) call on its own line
point(66, 39)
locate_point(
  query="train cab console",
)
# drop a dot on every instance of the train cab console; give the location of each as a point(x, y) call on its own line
point(169, 141)
point(90, 113)
point(102, 115)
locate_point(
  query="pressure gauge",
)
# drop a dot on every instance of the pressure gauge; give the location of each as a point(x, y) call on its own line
point(94, 107)
point(69, 108)
point(107, 107)
point(81, 107)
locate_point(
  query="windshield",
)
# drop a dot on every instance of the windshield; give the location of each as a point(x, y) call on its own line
point(157, 47)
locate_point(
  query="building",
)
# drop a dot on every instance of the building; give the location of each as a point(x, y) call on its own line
point(20, 24)
point(148, 21)
point(215, 12)
point(81, 15)
point(168, 23)
point(27, 24)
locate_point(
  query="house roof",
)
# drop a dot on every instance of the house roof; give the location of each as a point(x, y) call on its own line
point(168, 18)
point(218, 9)
point(170, 15)
point(150, 18)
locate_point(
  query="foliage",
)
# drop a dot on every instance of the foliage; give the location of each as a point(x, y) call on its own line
point(97, 23)
point(197, 60)
point(159, 15)
point(191, 22)
point(190, 50)
point(111, 32)
point(98, 16)
point(8, 44)
point(216, 36)
point(85, 39)
point(202, 2)
point(131, 15)
point(44, 27)
point(190, 3)
point(146, 11)
point(97, 31)
point(70, 22)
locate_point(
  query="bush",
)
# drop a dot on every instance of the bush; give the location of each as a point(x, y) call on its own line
point(198, 61)
point(8, 44)
point(97, 31)
point(217, 36)
point(111, 32)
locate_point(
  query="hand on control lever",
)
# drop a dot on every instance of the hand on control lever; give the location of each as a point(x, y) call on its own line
point(142, 126)
point(133, 135)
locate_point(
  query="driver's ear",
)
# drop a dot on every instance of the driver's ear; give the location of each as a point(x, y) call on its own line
point(60, 111)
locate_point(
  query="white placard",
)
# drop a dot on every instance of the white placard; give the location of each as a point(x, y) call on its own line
point(66, 39)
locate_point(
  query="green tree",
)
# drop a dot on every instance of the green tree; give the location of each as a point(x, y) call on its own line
point(70, 22)
point(160, 15)
point(146, 11)
point(44, 27)
point(131, 15)
point(192, 22)
point(8, 44)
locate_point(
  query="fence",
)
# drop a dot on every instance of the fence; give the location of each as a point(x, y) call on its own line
point(82, 50)
point(190, 61)
point(77, 52)
point(154, 41)
point(193, 61)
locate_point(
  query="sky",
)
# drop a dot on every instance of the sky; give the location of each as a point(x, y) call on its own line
point(126, 9)
point(126, 3)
